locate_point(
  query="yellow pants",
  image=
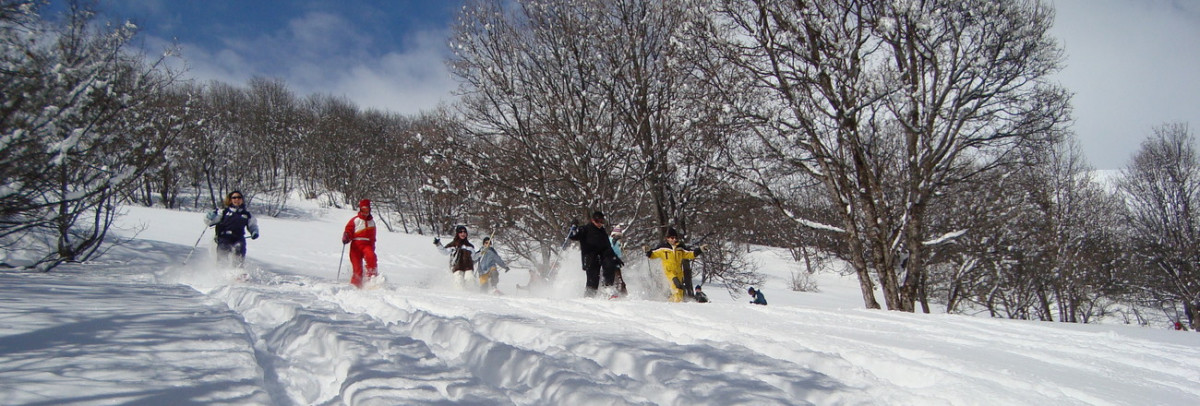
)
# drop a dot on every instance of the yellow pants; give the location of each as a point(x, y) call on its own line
point(675, 282)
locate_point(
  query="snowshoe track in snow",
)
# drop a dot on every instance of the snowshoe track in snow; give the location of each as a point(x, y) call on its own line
point(385, 349)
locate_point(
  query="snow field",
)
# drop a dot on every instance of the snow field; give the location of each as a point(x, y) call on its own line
point(142, 328)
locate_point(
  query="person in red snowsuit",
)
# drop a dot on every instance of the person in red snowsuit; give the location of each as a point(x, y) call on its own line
point(360, 234)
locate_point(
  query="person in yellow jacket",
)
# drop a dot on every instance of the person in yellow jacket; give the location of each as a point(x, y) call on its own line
point(672, 255)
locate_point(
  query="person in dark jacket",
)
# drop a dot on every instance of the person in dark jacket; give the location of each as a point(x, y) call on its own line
point(461, 252)
point(231, 224)
point(758, 297)
point(597, 254)
point(700, 296)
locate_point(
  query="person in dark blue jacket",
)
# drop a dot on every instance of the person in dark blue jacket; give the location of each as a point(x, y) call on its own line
point(231, 225)
point(758, 297)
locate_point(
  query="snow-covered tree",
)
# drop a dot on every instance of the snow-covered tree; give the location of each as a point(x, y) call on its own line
point(80, 125)
point(884, 103)
point(1161, 187)
point(580, 105)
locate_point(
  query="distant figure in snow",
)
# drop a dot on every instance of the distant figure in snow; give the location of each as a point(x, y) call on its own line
point(700, 296)
point(360, 234)
point(461, 253)
point(488, 261)
point(758, 297)
point(231, 224)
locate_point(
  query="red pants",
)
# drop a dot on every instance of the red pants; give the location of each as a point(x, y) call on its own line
point(359, 251)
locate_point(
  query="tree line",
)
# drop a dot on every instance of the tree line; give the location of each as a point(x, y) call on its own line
point(921, 144)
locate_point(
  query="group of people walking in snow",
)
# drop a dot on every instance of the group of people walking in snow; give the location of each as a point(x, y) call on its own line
point(602, 260)
point(600, 251)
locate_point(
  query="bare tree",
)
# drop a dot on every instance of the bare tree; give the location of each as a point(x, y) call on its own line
point(581, 105)
point(884, 102)
point(1161, 187)
point(544, 147)
point(1043, 240)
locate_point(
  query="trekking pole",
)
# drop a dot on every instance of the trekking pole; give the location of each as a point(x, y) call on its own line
point(201, 237)
point(340, 259)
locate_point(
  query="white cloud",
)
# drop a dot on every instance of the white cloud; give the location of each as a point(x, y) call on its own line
point(406, 82)
point(325, 53)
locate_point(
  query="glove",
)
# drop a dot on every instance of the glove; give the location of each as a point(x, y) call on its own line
point(253, 236)
point(345, 238)
point(437, 241)
point(574, 222)
point(618, 262)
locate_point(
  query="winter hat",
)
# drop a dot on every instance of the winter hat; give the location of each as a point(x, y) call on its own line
point(672, 233)
point(697, 287)
point(460, 229)
point(751, 291)
point(618, 231)
point(598, 215)
point(364, 203)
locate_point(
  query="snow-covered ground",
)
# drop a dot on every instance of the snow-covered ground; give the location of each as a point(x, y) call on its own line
point(139, 327)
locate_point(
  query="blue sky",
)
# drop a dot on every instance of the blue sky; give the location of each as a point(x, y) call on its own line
point(381, 54)
point(1132, 64)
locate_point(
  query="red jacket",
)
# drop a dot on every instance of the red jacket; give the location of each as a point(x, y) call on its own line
point(360, 229)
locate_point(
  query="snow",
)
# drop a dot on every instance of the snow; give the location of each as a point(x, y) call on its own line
point(945, 237)
point(139, 327)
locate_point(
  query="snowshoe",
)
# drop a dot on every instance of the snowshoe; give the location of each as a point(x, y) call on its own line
point(374, 282)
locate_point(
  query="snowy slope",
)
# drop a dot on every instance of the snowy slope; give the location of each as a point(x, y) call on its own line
point(138, 327)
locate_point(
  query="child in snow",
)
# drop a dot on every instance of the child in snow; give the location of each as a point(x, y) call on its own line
point(461, 252)
point(488, 261)
point(231, 224)
point(672, 255)
point(758, 297)
point(360, 234)
point(700, 296)
point(618, 233)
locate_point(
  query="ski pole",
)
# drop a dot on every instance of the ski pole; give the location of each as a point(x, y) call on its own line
point(340, 259)
point(201, 237)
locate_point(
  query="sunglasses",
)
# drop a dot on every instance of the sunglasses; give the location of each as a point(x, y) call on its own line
point(235, 197)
